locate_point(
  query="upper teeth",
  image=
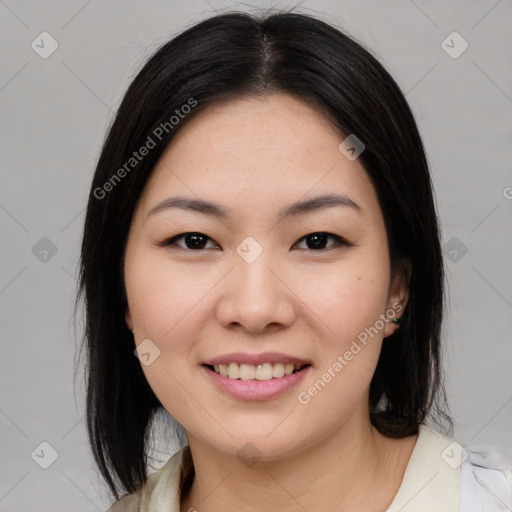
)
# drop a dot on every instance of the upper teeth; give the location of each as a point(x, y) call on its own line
point(265, 371)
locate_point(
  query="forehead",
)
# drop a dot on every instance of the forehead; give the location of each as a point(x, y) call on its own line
point(276, 126)
point(265, 149)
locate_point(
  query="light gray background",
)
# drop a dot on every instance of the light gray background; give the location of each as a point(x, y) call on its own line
point(53, 116)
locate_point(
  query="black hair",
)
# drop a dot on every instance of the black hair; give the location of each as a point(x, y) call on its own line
point(224, 57)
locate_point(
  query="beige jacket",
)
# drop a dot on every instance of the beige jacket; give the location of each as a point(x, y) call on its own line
point(442, 475)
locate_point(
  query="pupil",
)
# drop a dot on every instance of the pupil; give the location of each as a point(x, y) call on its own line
point(318, 240)
point(197, 243)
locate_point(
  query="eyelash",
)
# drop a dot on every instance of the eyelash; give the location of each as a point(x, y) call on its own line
point(339, 241)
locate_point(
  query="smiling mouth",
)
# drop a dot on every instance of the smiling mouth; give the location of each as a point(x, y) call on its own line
point(267, 371)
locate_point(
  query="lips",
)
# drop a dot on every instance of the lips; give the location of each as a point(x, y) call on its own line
point(255, 389)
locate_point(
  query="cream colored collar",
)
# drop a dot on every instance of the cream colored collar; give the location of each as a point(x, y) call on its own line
point(432, 477)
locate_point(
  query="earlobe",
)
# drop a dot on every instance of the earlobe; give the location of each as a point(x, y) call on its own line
point(392, 325)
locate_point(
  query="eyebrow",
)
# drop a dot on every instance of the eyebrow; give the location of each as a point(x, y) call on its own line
point(292, 210)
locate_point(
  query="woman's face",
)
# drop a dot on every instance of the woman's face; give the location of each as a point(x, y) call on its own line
point(310, 285)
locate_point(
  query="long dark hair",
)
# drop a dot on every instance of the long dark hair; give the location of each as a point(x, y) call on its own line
point(235, 55)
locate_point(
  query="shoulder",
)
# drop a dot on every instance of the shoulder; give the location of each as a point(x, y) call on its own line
point(149, 497)
point(448, 476)
point(486, 479)
point(484, 473)
point(127, 503)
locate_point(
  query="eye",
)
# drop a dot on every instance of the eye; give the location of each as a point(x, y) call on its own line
point(193, 240)
point(316, 241)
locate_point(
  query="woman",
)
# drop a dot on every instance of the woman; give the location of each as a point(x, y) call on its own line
point(261, 234)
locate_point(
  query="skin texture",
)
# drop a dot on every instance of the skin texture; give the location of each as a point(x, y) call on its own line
point(254, 156)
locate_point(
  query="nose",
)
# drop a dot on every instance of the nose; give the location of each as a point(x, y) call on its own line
point(256, 297)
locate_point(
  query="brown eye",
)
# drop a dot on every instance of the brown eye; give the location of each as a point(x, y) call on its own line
point(193, 241)
point(317, 241)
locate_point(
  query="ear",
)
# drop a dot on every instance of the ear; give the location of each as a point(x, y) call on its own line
point(398, 295)
point(128, 319)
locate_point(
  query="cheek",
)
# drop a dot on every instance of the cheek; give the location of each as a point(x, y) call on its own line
point(165, 303)
point(350, 305)
point(161, 295)
point(348, 297)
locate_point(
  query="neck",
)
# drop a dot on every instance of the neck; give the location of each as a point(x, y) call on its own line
point(333, 474)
